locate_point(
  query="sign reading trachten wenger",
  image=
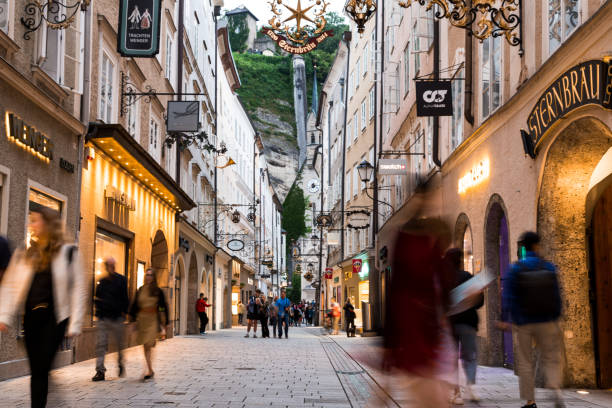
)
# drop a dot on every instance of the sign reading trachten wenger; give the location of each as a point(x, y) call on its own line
point(397, 167)
point(139, 28)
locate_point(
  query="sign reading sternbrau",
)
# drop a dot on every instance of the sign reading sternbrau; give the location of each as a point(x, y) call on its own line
point(139, 28)
point(584, 84)
point(434, 98)
point(285, 45)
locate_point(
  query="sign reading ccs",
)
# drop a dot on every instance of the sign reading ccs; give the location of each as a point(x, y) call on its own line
point(434, 98)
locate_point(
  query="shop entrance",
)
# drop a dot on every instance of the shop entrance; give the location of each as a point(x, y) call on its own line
point(497, 261)
point(601, 278)
point(193, 322)
point(159, 262)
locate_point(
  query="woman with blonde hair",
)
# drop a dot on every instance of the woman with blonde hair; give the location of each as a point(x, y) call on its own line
point(150, 311)
point(47, 279)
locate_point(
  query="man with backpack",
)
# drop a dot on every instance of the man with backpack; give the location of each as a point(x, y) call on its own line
point(532, 296)
point(253, 313)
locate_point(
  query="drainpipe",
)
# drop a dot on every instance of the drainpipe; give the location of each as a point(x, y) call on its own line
point(469, 52)
point(85, 115)
point(331, 105)
point(436, 72)
point(216, 14)
point(179, 87)
point(347, 39)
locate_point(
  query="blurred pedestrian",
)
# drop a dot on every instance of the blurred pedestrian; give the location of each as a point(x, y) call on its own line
point(273, 315)
point(111, 302)
point(284, 306)
point(418, 346)
point(309, 313)
point(349, 315)
point(48, 278)
point(5, 255)
point(465, 327)
point(263, 316)
point(253, 314)
point(201, 305)
point(241, 312)
point(150, 311)
point(335, 309)
point(532, 296)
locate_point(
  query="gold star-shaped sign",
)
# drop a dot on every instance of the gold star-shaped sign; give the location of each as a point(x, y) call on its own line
point(298, 14)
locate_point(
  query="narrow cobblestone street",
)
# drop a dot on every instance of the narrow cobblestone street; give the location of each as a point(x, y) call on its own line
point(224, 369)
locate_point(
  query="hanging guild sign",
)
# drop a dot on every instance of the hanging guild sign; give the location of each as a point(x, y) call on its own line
point(434, 98)
point(589, 83)
point(139, 28)
point(395, 167)
point(183, 116)
point(357, 263)
point(329, 273)
point(298, 39)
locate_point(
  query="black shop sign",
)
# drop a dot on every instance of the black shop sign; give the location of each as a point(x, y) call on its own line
point(434, 98)
point(139, 28)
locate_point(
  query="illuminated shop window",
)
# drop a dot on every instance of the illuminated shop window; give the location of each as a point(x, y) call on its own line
point(38, 200)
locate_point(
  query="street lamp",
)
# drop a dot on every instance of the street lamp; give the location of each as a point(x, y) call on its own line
point(360, 11)
point(365, 170)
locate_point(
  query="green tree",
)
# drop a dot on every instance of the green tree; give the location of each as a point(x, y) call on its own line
point(295, 292)
point(294, 214)
point(238, 31)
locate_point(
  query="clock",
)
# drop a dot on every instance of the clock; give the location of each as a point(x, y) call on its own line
point(314, 185)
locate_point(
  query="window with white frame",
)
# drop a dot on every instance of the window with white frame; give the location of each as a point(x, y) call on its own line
point(352, 85)
point(366, 57)
point(406, 69)
point(52, 43)
point(133, 113)
point(355, 126)
point(430, 132)
point(372, 102)
point(415, 46)
point(374, 51)
point(357, 75)
point(457, 119)
point(348, 187)
point(429, 16)
point(355, 181)
point(107, 76)
point(363, 114)
point(169, 51)
point(154, 138)
point(563, 18)
point(491, 75)
point(349, 134)
point(4, 15)
point(169, 159)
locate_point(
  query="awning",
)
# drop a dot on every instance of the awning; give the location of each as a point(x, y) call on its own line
point(117, 143)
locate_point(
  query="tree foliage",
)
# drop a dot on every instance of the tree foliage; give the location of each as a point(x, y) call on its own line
point(238, 31)
point(294, 293)
point(294, 215)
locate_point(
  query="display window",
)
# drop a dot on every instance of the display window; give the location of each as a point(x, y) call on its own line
point(38, 200)
point(110, 245)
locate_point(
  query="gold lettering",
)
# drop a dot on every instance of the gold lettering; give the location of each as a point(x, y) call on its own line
point(594, 89)
point(583, 83)
point(533, 128)
point(574, 79)
point(544, 123)
point(567, 95)
point(551, 112)
point(558, 98)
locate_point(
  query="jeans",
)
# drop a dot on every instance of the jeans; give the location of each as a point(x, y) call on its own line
point(548, 342)
point(274, 323)
point(283, 319)
point(106, 327)
point(240, 318)
point(465, 336)
point(42, 339)
point(265, 330)
point(203, 321)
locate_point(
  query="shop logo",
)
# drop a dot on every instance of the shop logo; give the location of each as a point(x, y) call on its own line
point(435, 96)
point(28, 137)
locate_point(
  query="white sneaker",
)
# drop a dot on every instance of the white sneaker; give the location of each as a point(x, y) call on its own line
point(457, 400)
point(471, 394)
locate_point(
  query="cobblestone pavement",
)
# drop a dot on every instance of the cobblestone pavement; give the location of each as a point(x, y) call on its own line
point(224, 369)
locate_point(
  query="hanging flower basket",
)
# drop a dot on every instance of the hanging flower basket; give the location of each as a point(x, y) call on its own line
point(308, 276)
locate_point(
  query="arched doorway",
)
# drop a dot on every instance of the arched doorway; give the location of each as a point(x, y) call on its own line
point(178, 278)
point(192, 295)
point(497, 262)
point(159, 260)
point(568, 240)
point(463, 240)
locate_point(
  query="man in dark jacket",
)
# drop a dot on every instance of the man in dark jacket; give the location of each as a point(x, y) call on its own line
point(465, 327)
point(532, 296)
point(111, 302)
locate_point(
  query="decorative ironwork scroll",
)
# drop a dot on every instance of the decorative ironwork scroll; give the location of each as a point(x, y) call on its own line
point(55, 13)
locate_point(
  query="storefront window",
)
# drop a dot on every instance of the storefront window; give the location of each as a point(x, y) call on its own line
point(468, 255)
point(110, 245)
point(38, 200)
point(140, 274)
point(364, 292)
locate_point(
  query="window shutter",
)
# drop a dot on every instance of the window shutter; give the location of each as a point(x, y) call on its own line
point(72, 55)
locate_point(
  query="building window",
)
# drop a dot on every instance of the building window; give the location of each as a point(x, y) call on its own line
point(491, 75)
point(366, 57)
point(406, 69)
point(169, 57)
point(430, 26)
point(372, 103)
point(348, 186)
point(457, 119)
point(355, 181)
point(355, 126)
point(430, 131)
point(357, 75)
point(363, 115)
point(154, 139)
point(563, 18)
point(415, 46)
point(349, 134)
point(4, 15)
point(352, 84)
point(107, 71)
point(132, 115)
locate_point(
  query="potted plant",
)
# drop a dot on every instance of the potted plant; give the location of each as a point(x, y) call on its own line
point(234, 281)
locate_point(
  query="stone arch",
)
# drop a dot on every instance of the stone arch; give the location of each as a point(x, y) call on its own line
point(497, 262)
point(159, 259)
point(175, 305)
point(562, 224)
point(463, 228)
point(192, 295)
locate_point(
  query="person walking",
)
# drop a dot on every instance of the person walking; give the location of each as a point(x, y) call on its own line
point(273, 315)
point(335, 315)
point(150, 311)
point(464, 327)
point(532, 298)
point(48, 279)
point(253, 314)
point(241, 312)
point(284, 306)
point(263, 316)
point(111, 302)
point(349, 315)
point(201, 305)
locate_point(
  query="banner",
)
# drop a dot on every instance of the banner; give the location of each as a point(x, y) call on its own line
point(434, 98)
point(139, 28)
point(357, 263)
point(285, 44)
point(584, 84)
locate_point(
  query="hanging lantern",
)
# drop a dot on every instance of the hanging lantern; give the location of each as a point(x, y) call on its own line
point(236, 217)
point(360, 11)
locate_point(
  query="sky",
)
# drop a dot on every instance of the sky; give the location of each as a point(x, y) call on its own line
point(261, 8)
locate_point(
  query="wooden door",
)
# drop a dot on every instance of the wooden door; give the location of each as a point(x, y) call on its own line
point(602, 259)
